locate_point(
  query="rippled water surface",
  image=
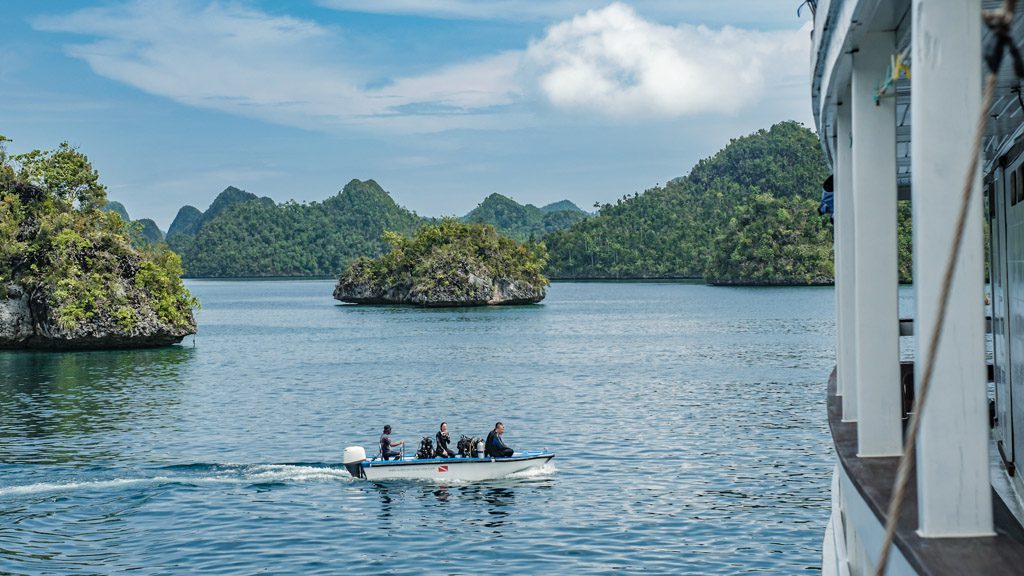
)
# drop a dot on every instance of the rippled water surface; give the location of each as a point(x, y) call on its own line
point(688, 422)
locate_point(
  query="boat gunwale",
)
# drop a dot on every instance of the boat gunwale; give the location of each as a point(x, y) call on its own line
point(872, 478)
point(524, 457)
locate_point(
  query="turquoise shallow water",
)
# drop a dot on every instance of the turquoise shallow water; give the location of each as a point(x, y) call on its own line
point(688, 422)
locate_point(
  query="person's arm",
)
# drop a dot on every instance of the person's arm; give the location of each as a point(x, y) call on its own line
point(399, 443)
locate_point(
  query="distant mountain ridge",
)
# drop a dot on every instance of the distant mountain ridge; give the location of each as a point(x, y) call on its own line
point(190, 219)
point(244, 235)
point(524, 222)
point(563, 205)
point(143, 231)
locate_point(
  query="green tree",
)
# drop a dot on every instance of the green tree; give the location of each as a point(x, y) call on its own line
point(74, 259)
point(65, 173)
point(746, 215)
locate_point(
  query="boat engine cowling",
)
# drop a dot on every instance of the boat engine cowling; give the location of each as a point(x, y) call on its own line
point(353, 460)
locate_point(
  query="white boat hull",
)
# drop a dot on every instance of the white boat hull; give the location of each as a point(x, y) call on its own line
point(461, 469)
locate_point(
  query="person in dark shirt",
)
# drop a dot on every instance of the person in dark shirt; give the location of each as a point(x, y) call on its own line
point(386, 445)
point(442, 450)
point(495, 446)
point(828, 205)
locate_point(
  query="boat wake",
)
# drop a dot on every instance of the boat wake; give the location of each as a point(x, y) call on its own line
point(196, 475)
point(546, 470)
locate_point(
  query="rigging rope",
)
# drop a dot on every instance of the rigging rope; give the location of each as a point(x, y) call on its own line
point(999, 22)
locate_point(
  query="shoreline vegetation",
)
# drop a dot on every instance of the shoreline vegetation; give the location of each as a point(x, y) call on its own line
point(73, 274)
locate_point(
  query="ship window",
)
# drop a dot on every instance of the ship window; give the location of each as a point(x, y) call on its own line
point(1013, 188)
point(1019, 188)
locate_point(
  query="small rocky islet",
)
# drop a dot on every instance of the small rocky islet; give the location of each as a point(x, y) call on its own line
point(448, 264)
point(71, 276)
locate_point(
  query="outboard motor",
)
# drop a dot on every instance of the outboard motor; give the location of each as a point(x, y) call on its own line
point(353, 460)
point(426, 448)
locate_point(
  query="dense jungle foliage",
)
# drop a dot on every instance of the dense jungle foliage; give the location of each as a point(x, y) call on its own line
point(445, 253)
point(747, 215)
point(243, 235)
point(250, 237)
point(525, 223)
point(78, 260)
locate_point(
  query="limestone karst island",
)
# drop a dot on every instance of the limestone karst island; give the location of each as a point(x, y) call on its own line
point(71, 276)
point(448, 264)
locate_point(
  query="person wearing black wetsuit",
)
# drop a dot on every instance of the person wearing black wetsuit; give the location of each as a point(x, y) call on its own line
point(495, 446)
point(442, 440)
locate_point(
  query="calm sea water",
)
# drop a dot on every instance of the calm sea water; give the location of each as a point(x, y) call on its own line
point(688, 421)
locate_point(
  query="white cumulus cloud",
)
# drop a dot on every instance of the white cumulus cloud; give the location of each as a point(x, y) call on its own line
point(764, 13)
point(613, 62)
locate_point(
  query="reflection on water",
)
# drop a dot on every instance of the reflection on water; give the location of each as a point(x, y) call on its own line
point(688, 424)
point(61, 400)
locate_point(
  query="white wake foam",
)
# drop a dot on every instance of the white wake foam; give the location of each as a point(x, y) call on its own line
point(257, 474)
point(546, 470)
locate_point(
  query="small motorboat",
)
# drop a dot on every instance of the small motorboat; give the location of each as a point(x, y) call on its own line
point(470, 468)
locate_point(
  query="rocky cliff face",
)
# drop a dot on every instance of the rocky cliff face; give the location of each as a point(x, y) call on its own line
point(71, 279)
point(26, 322)
point(469, 290)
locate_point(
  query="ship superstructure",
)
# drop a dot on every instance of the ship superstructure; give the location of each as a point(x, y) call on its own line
point(897, 92)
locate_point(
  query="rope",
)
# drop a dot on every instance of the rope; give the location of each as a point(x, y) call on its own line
point(999, 22)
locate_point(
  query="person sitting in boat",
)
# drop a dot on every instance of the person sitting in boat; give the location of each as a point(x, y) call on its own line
point(495, 445)
point(441, 450)
point(386, 445)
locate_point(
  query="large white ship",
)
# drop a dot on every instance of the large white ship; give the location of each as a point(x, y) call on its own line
point(898, 88)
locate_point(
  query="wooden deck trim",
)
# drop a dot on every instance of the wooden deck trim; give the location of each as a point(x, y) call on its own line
point(873, 478)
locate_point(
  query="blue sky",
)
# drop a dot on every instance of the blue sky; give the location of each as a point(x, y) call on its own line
point(441, 101)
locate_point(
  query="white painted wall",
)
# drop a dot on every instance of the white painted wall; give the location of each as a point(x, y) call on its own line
point(876, 316)
point(846, 276)
point(954, 496)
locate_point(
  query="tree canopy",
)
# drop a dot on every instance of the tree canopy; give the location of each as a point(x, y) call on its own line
point(57, 244)
point(254, 237)
point(524, 222)
point(746, 215)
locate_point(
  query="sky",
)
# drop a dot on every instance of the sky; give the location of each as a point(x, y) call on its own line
point(442, 102)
